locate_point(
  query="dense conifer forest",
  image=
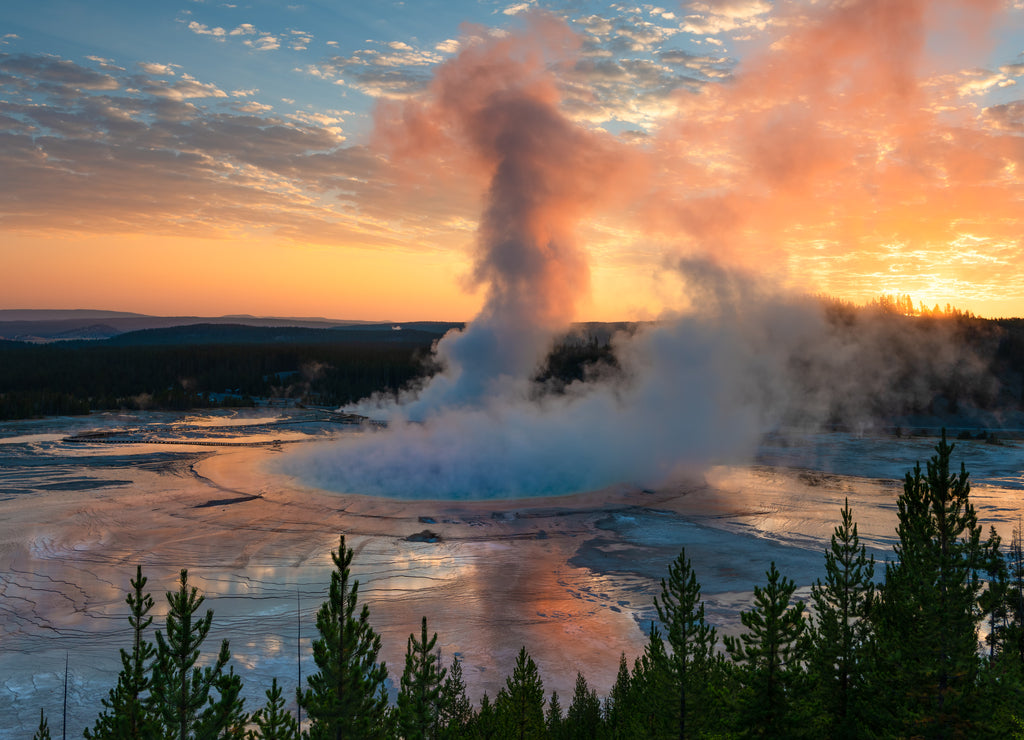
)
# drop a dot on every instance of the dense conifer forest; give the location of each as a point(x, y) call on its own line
point(211, 366)
point(215, 365)
point(183, 372)
point(929, 644)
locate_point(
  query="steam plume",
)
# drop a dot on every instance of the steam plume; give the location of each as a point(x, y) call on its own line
point(543, 172)
point(692, 389)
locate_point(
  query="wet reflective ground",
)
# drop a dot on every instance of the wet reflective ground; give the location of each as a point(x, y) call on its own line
point(572, 578)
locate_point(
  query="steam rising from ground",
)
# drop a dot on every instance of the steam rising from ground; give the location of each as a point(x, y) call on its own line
point(497, 102)
point(691, 390)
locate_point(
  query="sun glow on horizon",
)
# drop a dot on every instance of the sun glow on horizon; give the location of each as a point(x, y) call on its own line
point(847, 148)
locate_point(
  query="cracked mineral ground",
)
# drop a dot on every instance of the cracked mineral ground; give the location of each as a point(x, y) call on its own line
point(572, 578)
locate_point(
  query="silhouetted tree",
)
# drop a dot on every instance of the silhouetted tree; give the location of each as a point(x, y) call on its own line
point(346, 697)
point(553, 719)
point(273, 721)
point(485, 724)
point(179, 690)
point(520, 703)
point(43, 732)
point(652, 692)
point(456, 711)
point(620, 708)
point(419, 696)
point(929, 610)
point(584, 716)
point(841, 632)
point(126, 714)
point(692, 641)
point(768, 657)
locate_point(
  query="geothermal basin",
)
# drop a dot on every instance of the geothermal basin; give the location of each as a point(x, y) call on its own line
point(85, 499)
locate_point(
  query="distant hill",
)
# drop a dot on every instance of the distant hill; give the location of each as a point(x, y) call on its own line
point(206, 333)
point(50, 314)
point(42, 325)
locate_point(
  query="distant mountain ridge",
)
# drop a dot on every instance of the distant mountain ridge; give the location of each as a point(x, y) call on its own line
point(49, 325)
point(417, 333)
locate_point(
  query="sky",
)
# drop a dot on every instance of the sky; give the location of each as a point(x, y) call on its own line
point(376, 160)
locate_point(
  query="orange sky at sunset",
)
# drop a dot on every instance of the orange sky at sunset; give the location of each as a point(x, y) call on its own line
point(849, 148)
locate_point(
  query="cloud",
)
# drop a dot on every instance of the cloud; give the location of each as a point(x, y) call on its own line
point(300, 40)
point(712, 17)
point(395, 70)
point(254, 107)
point(266, 42)
point(203, 30)
point(630, 69)
point(518, 8)
point(839, 146)
point(184, 88)
point(807, 169)
point(1007, 117)
point(153, 68)
point(980, 81)
point(62, 73)
point(137, 155)
point(328, 121)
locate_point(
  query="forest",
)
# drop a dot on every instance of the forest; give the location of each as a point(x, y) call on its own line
point(206, 367)
point(936, 363)
point(929, 644)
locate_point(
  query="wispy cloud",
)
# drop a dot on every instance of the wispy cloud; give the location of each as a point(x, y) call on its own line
point(203, 30)
point(393, 69)
point(153, 68)
point(712, 17)
point(252, 36)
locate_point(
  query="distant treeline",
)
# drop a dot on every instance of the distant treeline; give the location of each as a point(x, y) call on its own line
point(198, 368)
point(208, 366)
point(898, 657)
point(873, 361)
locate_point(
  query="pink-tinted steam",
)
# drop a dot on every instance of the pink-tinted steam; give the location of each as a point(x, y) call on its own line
point(495, 108)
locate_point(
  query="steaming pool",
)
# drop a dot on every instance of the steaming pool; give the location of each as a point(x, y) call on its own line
point(570, 577)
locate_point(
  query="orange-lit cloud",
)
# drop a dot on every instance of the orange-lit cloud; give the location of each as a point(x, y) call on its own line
point(843, 150)
point(848, 147)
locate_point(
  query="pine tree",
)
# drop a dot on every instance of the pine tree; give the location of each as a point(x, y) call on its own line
point(929, 610)
point(456, 711)
point(485, 724)
point(125, 713)
point(652, 693)
point(553, 720)
point(994, 599)
point(841, 633)
point(1011, 644)
point(520, 703)
point(179, 690)
point(768, 657)
point(43, 732)
point(346, 697)
point(224, 717)
point(1000, 686)
point(692, 641)
point(584, 715)
point(619, 709)
point(273, 721)
point(419, 697)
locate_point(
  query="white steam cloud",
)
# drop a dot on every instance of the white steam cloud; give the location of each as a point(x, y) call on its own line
point(689, 391)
